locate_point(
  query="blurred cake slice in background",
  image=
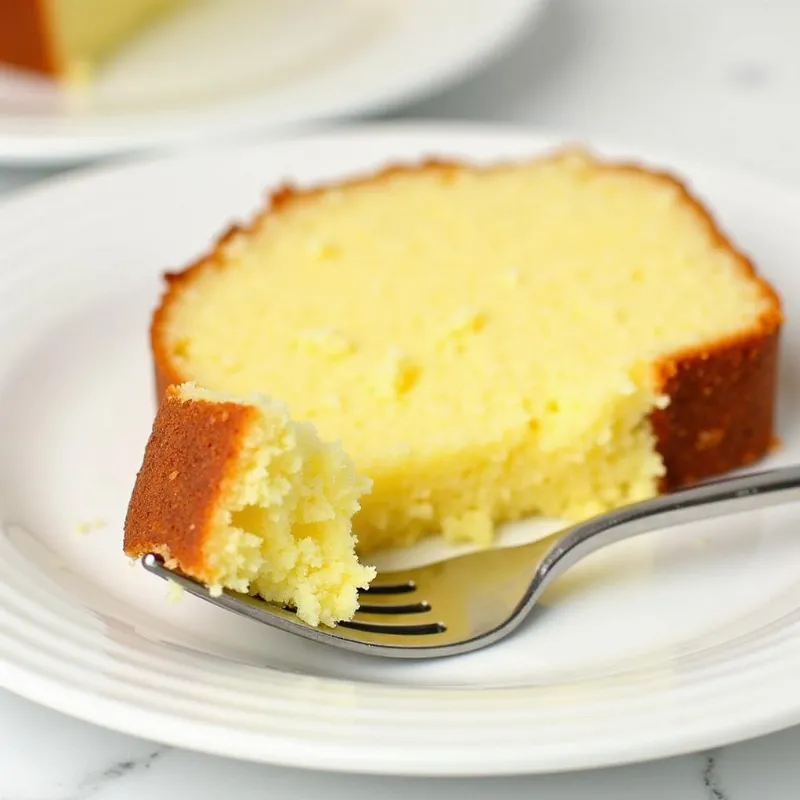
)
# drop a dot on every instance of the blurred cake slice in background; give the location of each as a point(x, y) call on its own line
point(68, 38)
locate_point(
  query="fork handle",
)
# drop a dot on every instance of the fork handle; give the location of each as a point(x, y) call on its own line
point(706, 501)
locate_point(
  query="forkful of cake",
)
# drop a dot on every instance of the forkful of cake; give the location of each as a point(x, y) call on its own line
point(252, 512)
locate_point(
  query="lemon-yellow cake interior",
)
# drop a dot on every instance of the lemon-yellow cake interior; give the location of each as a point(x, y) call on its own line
point(483, 342)
point(282, 526)
point(87, 31)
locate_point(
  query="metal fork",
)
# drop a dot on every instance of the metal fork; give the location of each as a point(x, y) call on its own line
point(474, 600)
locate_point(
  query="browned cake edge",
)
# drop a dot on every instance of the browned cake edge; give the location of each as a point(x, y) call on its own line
point(722, 395)
point(188, 460)
point(25, 39)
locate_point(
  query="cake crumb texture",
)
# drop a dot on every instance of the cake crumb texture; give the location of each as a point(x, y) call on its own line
point(238, 496)
point(558, 337)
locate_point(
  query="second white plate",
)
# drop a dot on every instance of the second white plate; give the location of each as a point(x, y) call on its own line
point(682, 640)
point(230, 67)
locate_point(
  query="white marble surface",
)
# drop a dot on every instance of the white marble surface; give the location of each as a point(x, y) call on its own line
point(46, 756)
point(717, 80)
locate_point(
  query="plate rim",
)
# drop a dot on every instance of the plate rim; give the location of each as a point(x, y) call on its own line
point(343, 761)
point(110, 712)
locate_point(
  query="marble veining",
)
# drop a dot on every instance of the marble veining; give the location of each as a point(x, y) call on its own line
point(99, 781)
point(47, 756)
point(711, 780)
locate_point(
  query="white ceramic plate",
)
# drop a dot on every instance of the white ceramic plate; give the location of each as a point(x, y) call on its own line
point(226, 67)
point(682, 640)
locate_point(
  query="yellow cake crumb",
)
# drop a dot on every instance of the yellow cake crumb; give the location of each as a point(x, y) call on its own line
point(325, 342)
point(464, 322)
point(174, 592)
point(474, 527)
point(397, 375)
point(90, 525)
point(512, 276)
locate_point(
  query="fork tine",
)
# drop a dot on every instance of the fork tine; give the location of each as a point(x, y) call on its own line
point(409, 608)
point(400, 629)
point(400, 608)
point(423, 629)
point(401, 587)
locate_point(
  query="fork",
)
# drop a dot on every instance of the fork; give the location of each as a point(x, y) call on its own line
point(472, 601)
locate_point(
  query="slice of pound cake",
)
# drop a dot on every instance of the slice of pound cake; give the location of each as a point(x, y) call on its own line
point(558, 337)
point(236, 495)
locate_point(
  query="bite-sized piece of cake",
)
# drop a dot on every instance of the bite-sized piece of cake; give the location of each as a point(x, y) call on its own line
point(236, 495)
point(558, 337)
point(66, 38)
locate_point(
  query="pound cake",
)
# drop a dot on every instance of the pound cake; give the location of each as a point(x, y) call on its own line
point(235, 494)
point(557, 337)
point(66, 38)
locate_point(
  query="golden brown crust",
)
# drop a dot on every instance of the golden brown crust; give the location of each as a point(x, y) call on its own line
point(25, 36)
point(192, 449)
point(721, 414)
point(721, 408)
point(722, 395)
